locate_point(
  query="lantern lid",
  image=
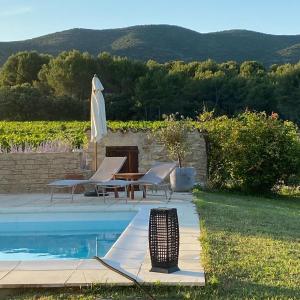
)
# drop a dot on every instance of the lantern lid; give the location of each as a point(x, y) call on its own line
point(163, 209)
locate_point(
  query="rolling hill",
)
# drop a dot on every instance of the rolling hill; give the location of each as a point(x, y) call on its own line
point(166, 42)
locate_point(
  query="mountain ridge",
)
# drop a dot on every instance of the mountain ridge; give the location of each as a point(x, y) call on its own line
point(164, 43)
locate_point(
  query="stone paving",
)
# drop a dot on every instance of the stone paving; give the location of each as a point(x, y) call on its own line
point(129, 254)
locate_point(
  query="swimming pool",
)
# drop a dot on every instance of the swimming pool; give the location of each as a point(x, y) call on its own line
point(60, 235)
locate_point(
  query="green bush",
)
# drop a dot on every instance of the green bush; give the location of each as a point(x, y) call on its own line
point(252, 152)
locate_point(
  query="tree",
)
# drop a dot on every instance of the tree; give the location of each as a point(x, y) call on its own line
point(22, 67)
point(135, 90)
point(22, 102)
point(252, 68)
point(287, 80)
point(119, 76)
point(70, 74)
point(260, 95)
point(211, 81)
point(174, 136)
point(27, 103)
point(230, 68)
point(151, 94)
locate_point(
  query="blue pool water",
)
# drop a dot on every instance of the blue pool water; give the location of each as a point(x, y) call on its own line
point(60, 235)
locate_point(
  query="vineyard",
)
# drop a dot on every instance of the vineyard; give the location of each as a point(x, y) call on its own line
point(33, 134)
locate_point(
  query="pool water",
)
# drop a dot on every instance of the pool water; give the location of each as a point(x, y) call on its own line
point(69, 235)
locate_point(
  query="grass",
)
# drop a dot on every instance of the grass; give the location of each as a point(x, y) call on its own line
point(251, 250)
point(251, 245)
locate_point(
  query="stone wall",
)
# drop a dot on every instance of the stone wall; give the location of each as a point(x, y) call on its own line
point(30, 172)
point(151, 152)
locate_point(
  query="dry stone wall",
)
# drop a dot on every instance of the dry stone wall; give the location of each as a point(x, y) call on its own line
point(151, 152)
point(30, 172)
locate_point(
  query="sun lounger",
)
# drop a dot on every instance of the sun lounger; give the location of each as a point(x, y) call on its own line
point(155, 177)
point(108, 168)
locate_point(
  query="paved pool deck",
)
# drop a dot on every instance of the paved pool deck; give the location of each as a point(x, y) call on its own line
point(129, 254)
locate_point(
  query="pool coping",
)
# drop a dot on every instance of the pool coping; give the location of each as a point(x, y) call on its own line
point(129, 254)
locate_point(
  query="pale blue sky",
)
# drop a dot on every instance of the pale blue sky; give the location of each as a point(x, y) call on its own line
point(22, 19)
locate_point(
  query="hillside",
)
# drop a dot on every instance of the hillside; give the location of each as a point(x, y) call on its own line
point(166, 42)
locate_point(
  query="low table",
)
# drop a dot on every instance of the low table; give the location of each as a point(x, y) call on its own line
point(130, 177)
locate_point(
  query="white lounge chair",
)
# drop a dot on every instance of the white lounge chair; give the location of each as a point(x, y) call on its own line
point(155, 177)
point(108, 168)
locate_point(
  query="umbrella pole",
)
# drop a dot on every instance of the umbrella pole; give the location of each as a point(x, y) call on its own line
point(96, 154)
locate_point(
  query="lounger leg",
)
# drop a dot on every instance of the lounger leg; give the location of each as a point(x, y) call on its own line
point(166, 193)
point(104, 193)
point(99, 193)
point(144, 187)
point(73, 190)
point(127, 192)
point(132, 192)
point(171, 194)
point(97, 190)
point(116, 192)
point(51, 200)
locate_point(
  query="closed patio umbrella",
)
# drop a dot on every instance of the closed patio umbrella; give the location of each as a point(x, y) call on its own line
point(98, 116)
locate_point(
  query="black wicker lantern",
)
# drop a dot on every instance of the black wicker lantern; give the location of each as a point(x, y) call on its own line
point(164, 240)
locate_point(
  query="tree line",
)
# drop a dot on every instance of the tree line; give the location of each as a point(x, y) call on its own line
point(36, 86)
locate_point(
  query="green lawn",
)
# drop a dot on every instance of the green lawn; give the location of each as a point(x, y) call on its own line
point(251, 246)
point(251, 250)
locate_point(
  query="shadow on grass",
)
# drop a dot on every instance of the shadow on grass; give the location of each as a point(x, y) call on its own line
point(238, 289)
point(251, 216)
point(245, 290)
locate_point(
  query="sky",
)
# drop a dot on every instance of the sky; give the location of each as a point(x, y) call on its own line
point(23, 19)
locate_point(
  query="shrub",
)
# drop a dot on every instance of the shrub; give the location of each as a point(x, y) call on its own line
point(252, 152)
point(174, 137)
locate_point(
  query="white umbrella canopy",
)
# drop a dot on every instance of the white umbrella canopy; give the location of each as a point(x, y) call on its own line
point(98, 115)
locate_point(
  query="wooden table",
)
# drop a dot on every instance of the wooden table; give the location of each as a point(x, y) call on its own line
point(130, 177)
